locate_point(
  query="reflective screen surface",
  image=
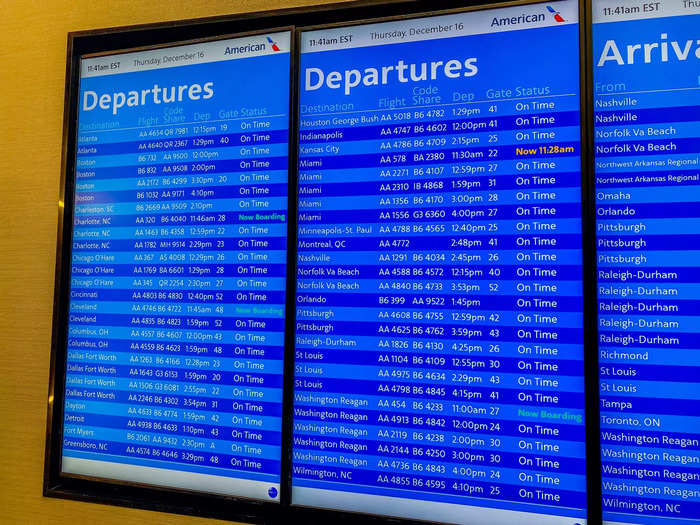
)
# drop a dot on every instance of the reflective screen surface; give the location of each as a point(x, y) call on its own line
point(439, 340)
point(177, 278)
point(646, 75)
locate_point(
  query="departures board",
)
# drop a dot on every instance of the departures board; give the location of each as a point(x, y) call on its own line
point(385, 262)
point(177, 287)
point(439, 316)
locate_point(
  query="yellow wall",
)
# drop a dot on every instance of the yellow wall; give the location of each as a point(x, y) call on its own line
point(32, 69)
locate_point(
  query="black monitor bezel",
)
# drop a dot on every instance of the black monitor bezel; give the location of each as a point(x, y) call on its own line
point(125, 39)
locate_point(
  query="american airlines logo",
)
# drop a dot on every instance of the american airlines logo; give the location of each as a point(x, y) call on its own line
point(527, 18)
point(274, 45)
point(557, 16)
point(252, 48)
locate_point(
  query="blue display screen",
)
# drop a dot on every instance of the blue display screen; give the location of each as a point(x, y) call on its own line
point(178, 267)
point(647, 145)
point(439, 340)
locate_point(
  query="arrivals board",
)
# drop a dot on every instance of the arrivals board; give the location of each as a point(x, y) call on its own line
point(178, 263)
point(646, 73)
point(439, 313)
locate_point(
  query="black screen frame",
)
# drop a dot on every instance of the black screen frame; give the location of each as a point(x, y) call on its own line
point(129, 38)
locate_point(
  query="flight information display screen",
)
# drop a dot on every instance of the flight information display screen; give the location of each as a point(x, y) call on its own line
point(177, 277)
point(439, 340)
point(646, 62)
